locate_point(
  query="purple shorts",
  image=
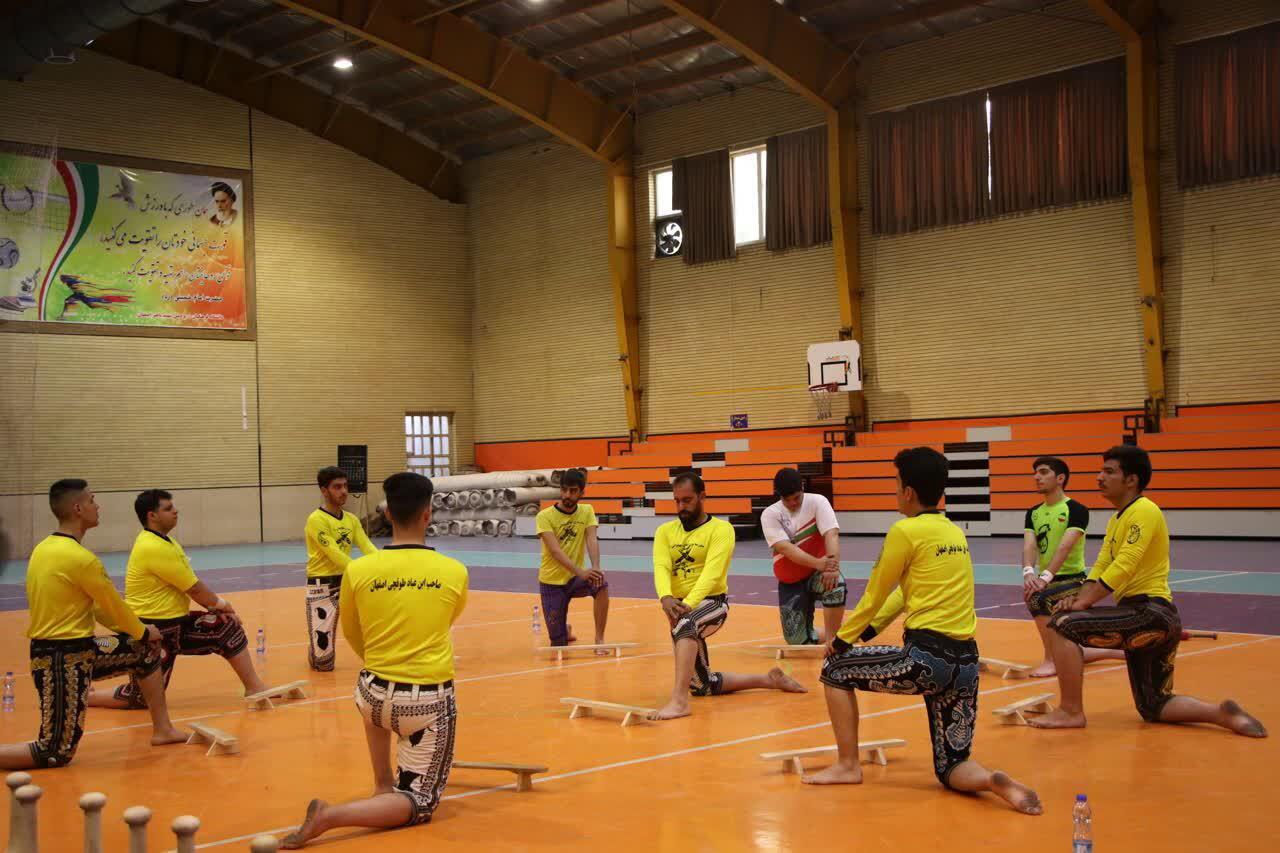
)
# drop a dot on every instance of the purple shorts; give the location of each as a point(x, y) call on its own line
point(555, 605)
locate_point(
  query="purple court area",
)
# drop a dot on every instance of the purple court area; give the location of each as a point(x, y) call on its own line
point(1201, 609)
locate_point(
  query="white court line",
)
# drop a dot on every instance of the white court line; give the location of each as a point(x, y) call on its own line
point(487, 624)
point(341, 696)
point(723, 744)
point(1208, 577)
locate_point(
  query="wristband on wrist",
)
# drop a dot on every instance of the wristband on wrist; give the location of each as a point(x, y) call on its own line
point(1046, 576)
point(1027, 571)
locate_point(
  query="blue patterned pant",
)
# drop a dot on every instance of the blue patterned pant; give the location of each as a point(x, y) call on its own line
point(942, 670)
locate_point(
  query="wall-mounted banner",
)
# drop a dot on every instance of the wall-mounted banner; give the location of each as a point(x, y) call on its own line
point(87, 243)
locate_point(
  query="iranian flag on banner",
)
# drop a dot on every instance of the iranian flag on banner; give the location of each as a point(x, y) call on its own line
point(809, 540)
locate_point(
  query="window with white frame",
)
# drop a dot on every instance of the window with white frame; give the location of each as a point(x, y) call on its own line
point(426, 443)
point(748, 170)
point(662, 204)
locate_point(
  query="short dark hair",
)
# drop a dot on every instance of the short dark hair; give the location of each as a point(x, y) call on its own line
point(1056, 465)
point(149, 501)
point(691, 479)
point(408, 494)
point(222, 187)
point(573, 477)
point(787, 482)
point(60, 491)
point(328, 474)
point(1133, 461)
point(924, 470)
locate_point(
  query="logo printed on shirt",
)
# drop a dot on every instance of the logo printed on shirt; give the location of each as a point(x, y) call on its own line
point(684, 560)
point(568, 532)
point(344, 538)
point(1135, 533)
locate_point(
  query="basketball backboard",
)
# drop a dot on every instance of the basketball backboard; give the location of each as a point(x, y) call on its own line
point(836, 363)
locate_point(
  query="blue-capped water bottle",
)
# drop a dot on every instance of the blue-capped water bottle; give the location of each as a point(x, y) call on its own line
point(262, 641)
point(1082, 826)
point(8, 691)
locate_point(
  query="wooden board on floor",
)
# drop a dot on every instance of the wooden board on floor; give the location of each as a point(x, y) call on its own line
point(616, 648)
point(870, 750)
point(584, 707)
point(524, 772)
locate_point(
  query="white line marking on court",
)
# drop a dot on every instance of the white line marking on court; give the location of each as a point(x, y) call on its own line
point(1208, 577)
point(341, 696)
point(998, 606)
point(914, 706)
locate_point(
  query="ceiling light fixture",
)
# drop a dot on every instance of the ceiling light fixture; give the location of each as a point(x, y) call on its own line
point(343, 63)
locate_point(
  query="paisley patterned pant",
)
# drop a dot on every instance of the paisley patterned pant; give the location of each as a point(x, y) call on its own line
point(942, 670)
point(1147, 629)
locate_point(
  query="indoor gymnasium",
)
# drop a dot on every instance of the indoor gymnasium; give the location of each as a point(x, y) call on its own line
point(647, 425)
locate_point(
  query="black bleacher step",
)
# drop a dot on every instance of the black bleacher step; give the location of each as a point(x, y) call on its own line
point(964, 515)
point(681, 469)
point(637, 502)
point(812, 469)
point(761, 504)
point(962, 479)
point(968, 464)
point(708, 457)
point(968, 499)
point(965, 447)
point(612, 518)
point(663, 486)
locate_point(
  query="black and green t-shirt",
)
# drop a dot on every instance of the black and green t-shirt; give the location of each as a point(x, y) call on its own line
point(1049, 522)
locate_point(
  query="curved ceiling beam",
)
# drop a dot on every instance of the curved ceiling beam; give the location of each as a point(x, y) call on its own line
point(775, 39)
point(223, 72)
point(494, 68)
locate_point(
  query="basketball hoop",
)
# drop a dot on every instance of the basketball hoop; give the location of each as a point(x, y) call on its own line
point(822, 397)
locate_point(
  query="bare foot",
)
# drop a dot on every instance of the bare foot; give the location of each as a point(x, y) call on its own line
point(602, 653)
point(307, 831)
point(1046, 669)
point(573, 638)
point(836, 774)
point(781, 681)
point(172, 735)
point(1241, 721)
point(1015, 794)
point(672, 710)
point(1058, 719)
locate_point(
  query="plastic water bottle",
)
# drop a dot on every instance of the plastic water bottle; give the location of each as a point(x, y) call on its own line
point(8, 691)
point(537, 621)
point(262, 641)
point(1082, 832)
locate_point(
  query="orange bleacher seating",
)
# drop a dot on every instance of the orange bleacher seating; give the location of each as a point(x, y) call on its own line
point(773, 457)
point(740, 472)
point(782, 442)
point(900, 438)
point(660, 448)
point(1163, 480)
point(616, 490)
point(715, 506)
point(868, 486)
point(872, 454)
point(869, 503)
point(739, 488)
point(1221, 423)
point(1211, 440)
point(628, 475)
point(1087, 446)
point(863, 469)
point(652, 460)
point(1111, 430)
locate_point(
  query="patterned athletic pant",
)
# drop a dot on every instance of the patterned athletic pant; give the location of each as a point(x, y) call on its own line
point(322, 621)
point(62, 671)
point(425, 719)
point(1147, 629)
point(1043, 602)
point(942, 670)
point(796, 602)
point(698, 624)
point(197, 633)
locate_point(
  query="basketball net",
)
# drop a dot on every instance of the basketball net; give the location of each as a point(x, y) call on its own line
point(823, 395)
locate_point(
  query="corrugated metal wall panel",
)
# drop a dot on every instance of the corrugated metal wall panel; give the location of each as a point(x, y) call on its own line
point(355, 269)
point(999, 317)
point(726, 338)
point(363, 306)
point(545, 343)
point(100, 104)
point(1221, 246)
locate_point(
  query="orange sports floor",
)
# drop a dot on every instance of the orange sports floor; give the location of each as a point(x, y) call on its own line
point(692, 784)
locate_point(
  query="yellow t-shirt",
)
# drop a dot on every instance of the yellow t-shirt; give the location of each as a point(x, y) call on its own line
point(397, 606)
point(67, 588)
point(570, 529)
point(1134, 559)
point(928, 557)
point(692, 564)
point(157, 577)
point(329, 542)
